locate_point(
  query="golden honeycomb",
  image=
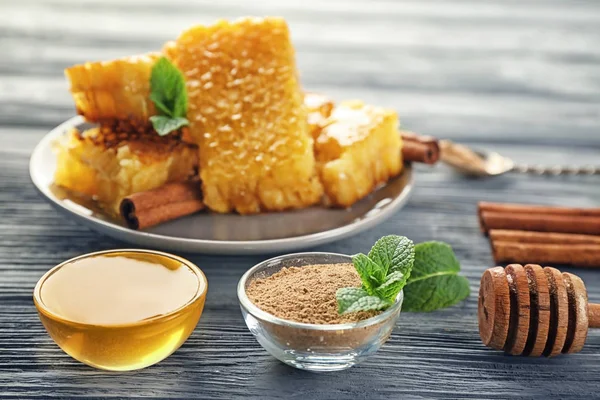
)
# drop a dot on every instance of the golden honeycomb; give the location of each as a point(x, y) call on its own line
point(247, 115)
point(108, 166)
point(113, 90)
point(358, 149)
point(319, 108)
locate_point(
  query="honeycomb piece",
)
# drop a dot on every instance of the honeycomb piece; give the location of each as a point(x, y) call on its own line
point(319, 108)
point(170, 50)
point(113, 90)
point(71, 172)
point(357, 150)
point(247, 115)
point(108, 166)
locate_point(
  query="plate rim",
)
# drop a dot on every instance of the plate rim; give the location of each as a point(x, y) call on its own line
point(208, 246)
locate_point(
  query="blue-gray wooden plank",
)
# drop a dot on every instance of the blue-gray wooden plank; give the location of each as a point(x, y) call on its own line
point(520, 77)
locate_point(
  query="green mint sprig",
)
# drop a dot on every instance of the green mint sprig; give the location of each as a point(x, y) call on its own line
point(434, 282)
point(428, 273)
point(169, 95)
point(383, 274)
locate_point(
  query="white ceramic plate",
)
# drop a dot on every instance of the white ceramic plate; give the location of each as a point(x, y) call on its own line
point(213, 233)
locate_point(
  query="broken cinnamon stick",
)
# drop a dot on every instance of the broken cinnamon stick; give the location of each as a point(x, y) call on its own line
point(581, 255)
point(539, 218)
point(411, 136)
point(417, 148)
point(168, 202)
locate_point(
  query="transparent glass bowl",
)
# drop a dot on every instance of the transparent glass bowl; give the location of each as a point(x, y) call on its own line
point(314, 347)
point(127, 346)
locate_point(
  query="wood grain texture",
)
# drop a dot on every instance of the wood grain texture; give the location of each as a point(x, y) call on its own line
point(520, 309)
point(494, 308)
point(518, 76)
point(540, 310)
point(559, 316)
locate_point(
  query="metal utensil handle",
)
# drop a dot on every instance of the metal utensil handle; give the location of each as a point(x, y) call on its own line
point(556, 170)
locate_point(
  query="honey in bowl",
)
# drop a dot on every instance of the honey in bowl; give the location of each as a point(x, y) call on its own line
point(121, 310)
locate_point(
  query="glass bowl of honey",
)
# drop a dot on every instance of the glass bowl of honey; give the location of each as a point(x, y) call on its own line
point(121, 310)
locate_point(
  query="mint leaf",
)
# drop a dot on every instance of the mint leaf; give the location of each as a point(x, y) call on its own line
point(169, 95)
point(434, 282)
point(394, 253)
point(371, 274)
point(435, 293)
point(181, 101)
point(348, 296)
point(163, 108)
point(393, 284)
point(167, 88)
point(357, 299)
point(165, 125)
point(383, 274)
point(368, 303)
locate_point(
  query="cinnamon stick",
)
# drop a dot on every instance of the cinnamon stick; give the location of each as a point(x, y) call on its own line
point(581, 255)
point(411, 136)
point(168, 202)
point(537, 209)
point(543, 223)
point(501, 235)
point(538, 218)
point(417, 148)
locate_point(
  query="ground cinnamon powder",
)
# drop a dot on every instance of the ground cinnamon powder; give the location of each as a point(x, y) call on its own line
point(307, 294)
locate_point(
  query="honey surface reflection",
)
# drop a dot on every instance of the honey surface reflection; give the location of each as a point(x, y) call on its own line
point(121, 310)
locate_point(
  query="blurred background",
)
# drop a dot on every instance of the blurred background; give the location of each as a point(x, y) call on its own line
point(486, 71)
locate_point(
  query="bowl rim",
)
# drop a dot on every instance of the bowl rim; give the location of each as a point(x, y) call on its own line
point(43, 308)
point(256, 311)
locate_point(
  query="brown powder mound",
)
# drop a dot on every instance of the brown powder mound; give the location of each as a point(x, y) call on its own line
point(307, 294)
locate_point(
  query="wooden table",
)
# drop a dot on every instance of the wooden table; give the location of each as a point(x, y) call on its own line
point(521, 77)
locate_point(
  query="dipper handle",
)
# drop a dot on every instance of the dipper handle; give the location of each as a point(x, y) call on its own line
point(594, 315)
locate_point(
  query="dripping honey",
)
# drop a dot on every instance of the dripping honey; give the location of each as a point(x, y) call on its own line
point(121, 310)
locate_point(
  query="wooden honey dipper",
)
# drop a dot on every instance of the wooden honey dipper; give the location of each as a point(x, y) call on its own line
point(534, 311)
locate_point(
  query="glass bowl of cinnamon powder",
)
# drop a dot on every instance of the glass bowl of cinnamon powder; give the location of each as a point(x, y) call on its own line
point(289, 304)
